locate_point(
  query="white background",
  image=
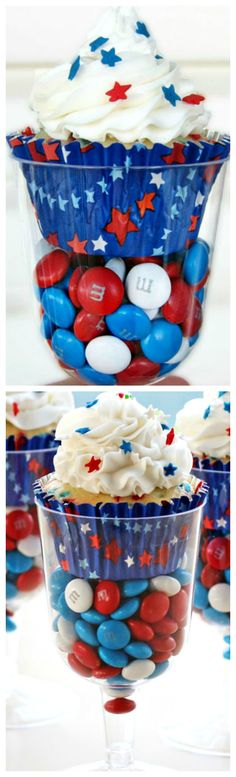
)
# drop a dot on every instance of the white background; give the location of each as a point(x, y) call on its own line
point(197, 36)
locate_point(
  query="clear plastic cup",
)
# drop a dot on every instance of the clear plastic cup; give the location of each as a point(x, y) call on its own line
point(154, 229)
point(114, 620)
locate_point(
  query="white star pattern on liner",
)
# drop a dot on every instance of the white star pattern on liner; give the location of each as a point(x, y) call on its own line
point(174, 211)
point(104, 186)
point(129, 561)
point(50, 200)
point(62, 548)
point(93, 575)
point(199, 199)
point(62, 202)
point(65, 153)
point(116, 173)
point(158, 251)
point(221, 522)
point(136, 527)
point(99, 244)
point(157, 179)
point(191, 173)
point(85, 527)
point(33, 188)
point(147, 528)
point(89, 195)
point(174, 540)
point(75, 200)
point(83, 563)
point(166, 233)
point(182, 192)
point(42, 194)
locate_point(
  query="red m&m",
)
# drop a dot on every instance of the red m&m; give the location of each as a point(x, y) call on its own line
point(193, 320)
point(177, 307)
point(87, 326)
point(218, 553)
point(106, 597)
point(154, 606)
point(139, 369)
point(19, 524)
point(52, 268)
point(27, 581)
point(100, 291)
point(73, 285)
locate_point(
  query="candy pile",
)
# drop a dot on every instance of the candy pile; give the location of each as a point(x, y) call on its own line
point(128, 321)
point(212, 587)
point(120, 632)
point(23, 558)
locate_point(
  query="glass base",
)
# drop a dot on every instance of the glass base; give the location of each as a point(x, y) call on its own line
point(138, 767)
point(32, 702)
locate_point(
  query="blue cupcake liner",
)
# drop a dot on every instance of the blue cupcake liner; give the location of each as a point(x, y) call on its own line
point(25, 460)
point(119, 540)
point(79, 194)
point(216, 474)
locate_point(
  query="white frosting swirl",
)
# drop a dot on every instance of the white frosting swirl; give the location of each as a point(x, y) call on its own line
point(37, 409)
point(112, 421)
point(204, 423)
point(82, 108)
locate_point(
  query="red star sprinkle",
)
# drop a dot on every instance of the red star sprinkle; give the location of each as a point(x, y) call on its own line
point(121, 396)
point(195, 136)
point(176, 155)
point(184, 531)
point(137, 498)
point(112, 551)
point(146, 203)
point(199, 485)
point(120, 225)
point(170, 437)
point(118, 92)
point(77, 245)
point(50, 151)
point(53, 238)
point(162, 555)
point(36, 156)
point(15, 408)
point(27, 131)
point(228, 430)
point(95, 541)
point(93, 464)
point(193, 225)
point(145, 559)
point(193, 99)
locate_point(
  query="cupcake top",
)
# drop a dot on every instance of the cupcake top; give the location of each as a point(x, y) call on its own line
point(205, 425)
point(118, 88)
point(117, 446)
point(37, 409)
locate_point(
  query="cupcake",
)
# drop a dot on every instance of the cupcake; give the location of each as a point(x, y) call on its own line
point(118, 464)
point(120, 168)
point(205, 425)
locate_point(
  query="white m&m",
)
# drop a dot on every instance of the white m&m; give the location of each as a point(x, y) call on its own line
point(148, 286)
point(79, 595)
point(169, 585)
point(108, 354)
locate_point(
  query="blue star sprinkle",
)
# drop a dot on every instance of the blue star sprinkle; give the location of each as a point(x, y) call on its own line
point(84, 430)
point(207, 412)
point(227, 407)
point(221, 393)
point(170, 469)
point(110, 57)
point(158, 56)
point(170, 94)
point(164, 426)
point(141, 29)
point(126, 446)
point(74, 69)
point(97, 43)
point(92, 403)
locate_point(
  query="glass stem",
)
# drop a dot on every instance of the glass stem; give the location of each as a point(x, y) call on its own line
point(119, 736)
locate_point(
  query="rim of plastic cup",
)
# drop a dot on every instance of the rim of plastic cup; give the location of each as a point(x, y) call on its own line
point(113, 517)
point(122, 166)
point(31, 450)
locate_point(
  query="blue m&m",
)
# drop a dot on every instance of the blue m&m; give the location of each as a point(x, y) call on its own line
point(163, 342)
point(129, 323)
point(68, 348)
point(58, 307)
point(196, 263)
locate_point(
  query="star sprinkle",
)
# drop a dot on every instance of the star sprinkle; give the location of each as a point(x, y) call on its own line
point(145, 559)
point(227, 407)
point(93, 465)
point(157, 179)
point(199, 199)
point(97, 43)
point(77, 245)
point(118, 92)
point(129, 561)
point(146, 203)
point(193, 99)
point(193, 225)
point(99, 244)
point(141, 29)
point(15, 408)
point(110, 57)
point(92, 403)
point(95, 541)
point(182, 192)
point(83, 430)
point(126, 446)
point(112, 551)
point(170, 437)
point(74, 69)
point(170, 94)
point(121, 224)
point(170, 469)
point(228, 430)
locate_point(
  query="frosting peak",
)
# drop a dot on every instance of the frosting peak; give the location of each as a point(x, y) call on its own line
point(37, 409)
point(118, 447)
point(78, 98)
point(205, 423)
